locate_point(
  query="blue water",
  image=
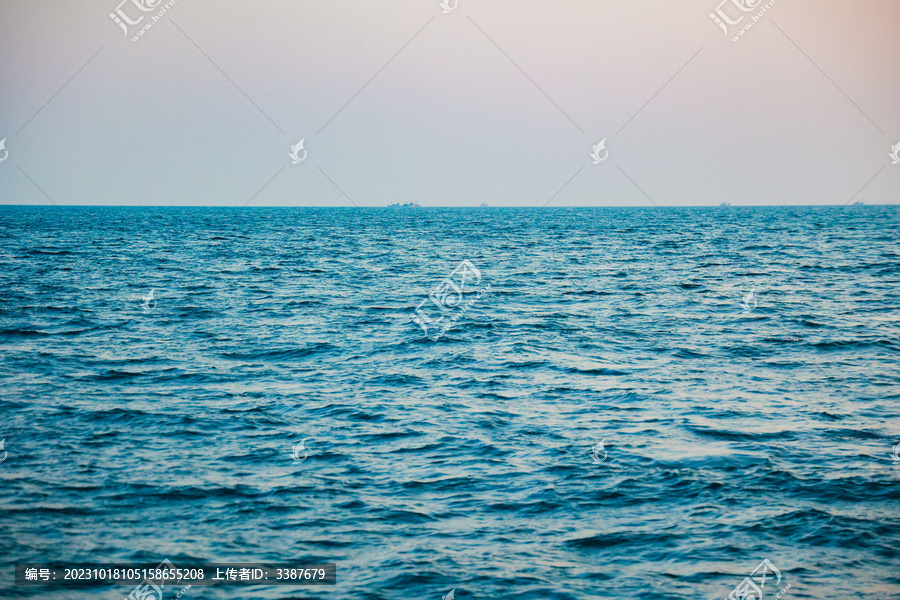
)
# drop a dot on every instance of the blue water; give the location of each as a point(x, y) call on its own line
point(463, 462)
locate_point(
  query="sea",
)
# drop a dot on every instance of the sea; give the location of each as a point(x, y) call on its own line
point(455, 403)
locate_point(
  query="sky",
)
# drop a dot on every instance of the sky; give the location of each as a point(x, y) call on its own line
point(471, 102)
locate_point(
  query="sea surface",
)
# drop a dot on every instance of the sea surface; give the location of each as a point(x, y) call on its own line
point(631, 403)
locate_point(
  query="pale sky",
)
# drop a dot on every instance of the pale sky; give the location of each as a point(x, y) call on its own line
point(498, 102)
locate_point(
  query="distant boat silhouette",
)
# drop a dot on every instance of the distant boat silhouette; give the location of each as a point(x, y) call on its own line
point(405, 204)
point(482, 205)
point(725, 204)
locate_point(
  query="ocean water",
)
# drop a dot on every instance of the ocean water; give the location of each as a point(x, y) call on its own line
point(614, 418)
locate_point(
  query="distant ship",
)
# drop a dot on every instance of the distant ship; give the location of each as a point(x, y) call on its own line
point(858, 203)
point(482, 205)
point(405, 205)
point(725, 204)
